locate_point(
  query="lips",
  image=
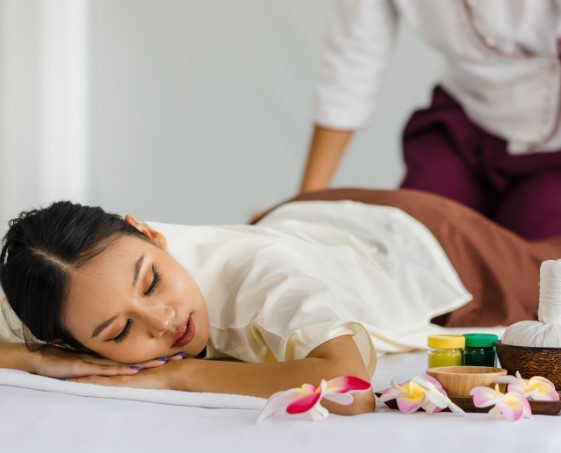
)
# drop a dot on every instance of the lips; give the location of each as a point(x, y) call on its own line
point(184, 334)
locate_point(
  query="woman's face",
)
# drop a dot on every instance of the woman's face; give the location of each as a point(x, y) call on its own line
point(134, 302)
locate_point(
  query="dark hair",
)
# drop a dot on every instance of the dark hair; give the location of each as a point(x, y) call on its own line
point(38, 252)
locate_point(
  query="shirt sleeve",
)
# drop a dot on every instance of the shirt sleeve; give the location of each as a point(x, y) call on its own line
point(10, 326)
point(353, 61)
point(300, 314)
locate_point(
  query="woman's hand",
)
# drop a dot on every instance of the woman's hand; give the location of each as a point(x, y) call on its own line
point(154, 378)
point(58, 362)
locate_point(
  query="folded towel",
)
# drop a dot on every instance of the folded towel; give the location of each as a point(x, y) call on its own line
point(15, 378)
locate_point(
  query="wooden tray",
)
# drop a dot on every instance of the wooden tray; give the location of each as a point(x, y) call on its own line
point(466, 403)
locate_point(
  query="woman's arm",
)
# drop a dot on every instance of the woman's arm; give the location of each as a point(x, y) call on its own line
point(61, 363)
point(17, 357)
point(334, 358)
point(337, 357)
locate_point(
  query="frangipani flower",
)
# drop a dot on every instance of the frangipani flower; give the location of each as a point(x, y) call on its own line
point(512, 406)
point(306, 399)
point(536, 388)
point(422, 391)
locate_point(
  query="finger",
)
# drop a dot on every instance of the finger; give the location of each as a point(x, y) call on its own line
point(99, 361)
point(93, 380)
point(148, 364)
point(162, 360)
point(87, 369)
point(154, 363)
point(115, 382)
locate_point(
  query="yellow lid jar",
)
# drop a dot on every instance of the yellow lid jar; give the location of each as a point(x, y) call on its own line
point(445, 350)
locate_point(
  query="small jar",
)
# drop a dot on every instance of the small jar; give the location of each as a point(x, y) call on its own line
point(480, 349)
point(445, 350)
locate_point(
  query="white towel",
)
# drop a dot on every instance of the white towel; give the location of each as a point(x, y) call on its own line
point(15, 378)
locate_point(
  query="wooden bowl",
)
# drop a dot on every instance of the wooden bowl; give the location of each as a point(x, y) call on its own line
point(459, 380)
point(531, 361)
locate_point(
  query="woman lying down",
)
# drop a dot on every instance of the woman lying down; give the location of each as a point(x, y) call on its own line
point(307, 293)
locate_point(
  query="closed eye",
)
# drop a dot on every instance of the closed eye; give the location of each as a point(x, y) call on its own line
point(124, 333)
point(156, 280)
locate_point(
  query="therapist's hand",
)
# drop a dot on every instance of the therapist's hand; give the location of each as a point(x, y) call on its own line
point(256, 214)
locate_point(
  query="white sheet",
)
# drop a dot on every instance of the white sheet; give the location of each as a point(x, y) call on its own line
point(14, 378)
point(32, 420)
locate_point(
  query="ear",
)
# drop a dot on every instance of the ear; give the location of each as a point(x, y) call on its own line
point(157, 238)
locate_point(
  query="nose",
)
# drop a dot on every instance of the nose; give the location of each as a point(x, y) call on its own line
point(159, 319)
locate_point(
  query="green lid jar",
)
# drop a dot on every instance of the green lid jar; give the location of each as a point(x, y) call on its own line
point(480, 349)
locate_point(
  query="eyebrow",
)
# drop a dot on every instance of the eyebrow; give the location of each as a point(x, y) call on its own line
point(137, 267)
point(104, 324)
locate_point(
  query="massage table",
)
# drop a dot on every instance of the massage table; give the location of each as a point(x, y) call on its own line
point(52, 416)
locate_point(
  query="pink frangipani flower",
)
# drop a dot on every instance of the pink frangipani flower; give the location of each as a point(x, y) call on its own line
point(306, 399)
point(512, 406)
point(536, 388)
point(420, 392)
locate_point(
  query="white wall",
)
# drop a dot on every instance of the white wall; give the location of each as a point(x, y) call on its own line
point(199, 111)
point(43, 103)
point(19, 106)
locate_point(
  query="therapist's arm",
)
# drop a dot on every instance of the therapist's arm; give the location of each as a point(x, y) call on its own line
point(325, 152)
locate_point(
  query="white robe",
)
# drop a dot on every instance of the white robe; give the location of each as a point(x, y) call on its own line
point(315, 270)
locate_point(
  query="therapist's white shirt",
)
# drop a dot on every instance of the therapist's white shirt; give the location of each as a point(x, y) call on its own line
point(501, 63)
